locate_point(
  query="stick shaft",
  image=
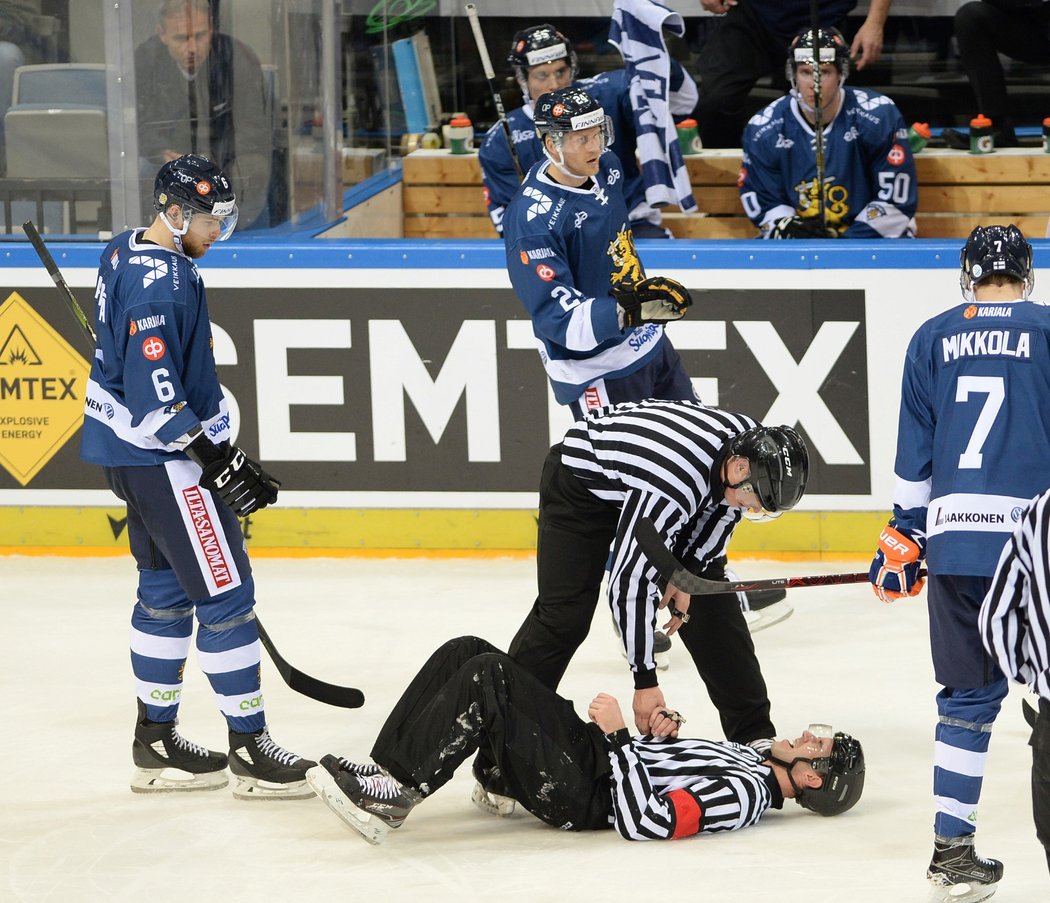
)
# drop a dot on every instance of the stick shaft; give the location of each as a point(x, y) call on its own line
point(818, 102)
point(490, 76)
point(673, 571)
point(56, 276)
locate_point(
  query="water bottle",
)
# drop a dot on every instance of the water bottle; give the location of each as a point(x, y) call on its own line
point(981, 139)
point(918, 135)
point(461, 135)
point(689, 137)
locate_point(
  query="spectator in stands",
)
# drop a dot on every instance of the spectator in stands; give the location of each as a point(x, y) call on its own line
point(544, 60)
point(866, 187)
point(1019, 29)
point(200, 91)
point(750, 42)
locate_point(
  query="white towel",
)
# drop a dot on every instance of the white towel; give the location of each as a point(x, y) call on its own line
point(637, 31)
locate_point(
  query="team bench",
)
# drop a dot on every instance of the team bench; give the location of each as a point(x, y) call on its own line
point(442, 195)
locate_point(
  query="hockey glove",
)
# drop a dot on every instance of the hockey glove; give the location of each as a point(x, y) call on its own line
point(653, 300)
point(801, 227)
point(234, 477)
point(895, 569)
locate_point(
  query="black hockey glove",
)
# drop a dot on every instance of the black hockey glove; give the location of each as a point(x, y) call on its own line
point(801, 227)
point(653, 300)
point(228, 472)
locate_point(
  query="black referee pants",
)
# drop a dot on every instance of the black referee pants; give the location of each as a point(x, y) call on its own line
point(576, 530)
point(1040, 744)
point(470, 696)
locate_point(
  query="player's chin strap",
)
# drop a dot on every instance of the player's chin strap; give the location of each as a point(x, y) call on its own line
point(813, 110)
point(559, 164)
point(789, 767)
point(177, 233)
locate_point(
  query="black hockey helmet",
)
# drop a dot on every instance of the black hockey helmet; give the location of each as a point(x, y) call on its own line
point(196, 184)
point(779, 463)
point(536, 45)
point(833, 49)
point(995, 250)
point(569, 110)
point(843, 774)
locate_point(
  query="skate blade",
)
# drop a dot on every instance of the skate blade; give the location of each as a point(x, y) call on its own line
point(767, 617)
point(365, 824)
point(492, 803)
point(961, 893)
point(247, 788)
point(175, 780)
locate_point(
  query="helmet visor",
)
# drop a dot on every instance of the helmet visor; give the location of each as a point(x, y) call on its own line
point(223, 213)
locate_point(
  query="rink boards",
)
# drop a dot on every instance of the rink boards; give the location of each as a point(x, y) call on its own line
point(396, 390)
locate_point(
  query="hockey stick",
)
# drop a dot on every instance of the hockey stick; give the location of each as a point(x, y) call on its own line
point(344, 697)
point(818, 124)
point(490, 75)
point(673, 571)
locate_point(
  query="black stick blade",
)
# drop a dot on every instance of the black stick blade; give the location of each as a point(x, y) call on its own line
point(330, 694)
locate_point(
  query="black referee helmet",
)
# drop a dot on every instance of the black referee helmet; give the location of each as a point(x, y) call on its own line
point(779, 463)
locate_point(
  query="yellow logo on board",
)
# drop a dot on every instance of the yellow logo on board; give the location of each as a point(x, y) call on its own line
point(42, 383)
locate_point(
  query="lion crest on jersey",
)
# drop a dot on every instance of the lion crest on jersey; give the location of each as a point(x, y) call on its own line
point(836, 202)
point(626, 265)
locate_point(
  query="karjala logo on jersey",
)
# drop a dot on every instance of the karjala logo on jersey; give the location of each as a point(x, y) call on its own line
point(143, 323)
point(155, 269)
point(542, 203)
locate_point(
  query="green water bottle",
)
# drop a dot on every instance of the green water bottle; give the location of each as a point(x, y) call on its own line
point(689, 137)
point(918, 135)
point(461, 135)
point(981, 138)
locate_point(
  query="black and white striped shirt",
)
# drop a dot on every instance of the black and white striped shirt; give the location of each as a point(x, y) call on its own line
point(660, 460)
point(1015, 616)
point(666, 788)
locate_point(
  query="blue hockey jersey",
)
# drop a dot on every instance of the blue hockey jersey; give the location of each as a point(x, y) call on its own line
point(566, 248)
point(611, 90)
point(973, 442)
point(153, 377)
point(870, 189)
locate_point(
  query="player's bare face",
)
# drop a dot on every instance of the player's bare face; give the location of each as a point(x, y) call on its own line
point(202, 234)
point(548, 77)
point(829, 86)
point(188, 39)
point(582, 150)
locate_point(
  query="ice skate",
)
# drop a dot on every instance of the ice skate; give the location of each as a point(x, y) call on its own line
point(364, 769)
point(492, 803)
point(370, 804)
point(165, 761)
point(958, 875)
point(265, 771)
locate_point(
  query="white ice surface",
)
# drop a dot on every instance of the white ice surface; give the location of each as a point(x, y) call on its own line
point(72, 830)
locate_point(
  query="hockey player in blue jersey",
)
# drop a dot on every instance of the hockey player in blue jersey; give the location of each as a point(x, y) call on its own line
point(544, 60)
point(157, 422)
point(973, 446)
point(869, 187)
point(572, 262)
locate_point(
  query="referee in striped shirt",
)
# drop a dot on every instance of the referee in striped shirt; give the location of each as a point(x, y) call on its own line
point(1015, 625)
point(574, 774)
point(693, 471)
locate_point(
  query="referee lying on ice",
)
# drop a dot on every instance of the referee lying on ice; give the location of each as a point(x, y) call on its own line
point(572, 774)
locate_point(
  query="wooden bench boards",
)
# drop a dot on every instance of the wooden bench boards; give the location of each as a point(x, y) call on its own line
point(443, 195)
